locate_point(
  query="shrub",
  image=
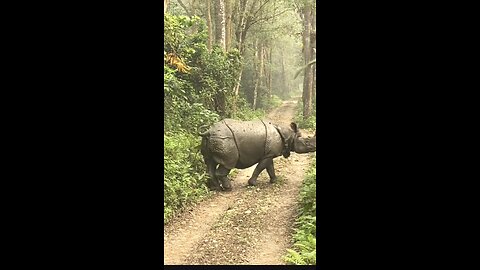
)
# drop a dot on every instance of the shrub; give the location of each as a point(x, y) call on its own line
point(304, 248)
point(269, 103)
point(198, 90)
point(189, 117)
point(310, 122)
point(183, 182)
point(249, 114)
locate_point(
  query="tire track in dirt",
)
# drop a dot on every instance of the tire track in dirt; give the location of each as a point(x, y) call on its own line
point(249, 225)
point(186, 230)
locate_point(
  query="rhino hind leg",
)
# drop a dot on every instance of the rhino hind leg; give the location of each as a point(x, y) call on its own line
point(264, 163)
point(221, 174)
point(213, 182)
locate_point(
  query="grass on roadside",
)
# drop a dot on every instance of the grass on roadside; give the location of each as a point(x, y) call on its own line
point(304, 249)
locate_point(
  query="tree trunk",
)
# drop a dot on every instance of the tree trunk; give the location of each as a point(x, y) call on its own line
point(209, 26)
point(270, 59)
point(283, 88)
point(165, 6)
point(185, 8)
point(308, 78)
point(313, 41)
point(256, 74)
point(254, 107)
point(237, 87)
point(220, 24)
point(314, 82)
point(242, 4)
point(240, 8)
point(264, 67)
point(193, 7)
point(314, 67)
point(228, 24)
point(220, 40)
point(240, 31)
point(261, 67)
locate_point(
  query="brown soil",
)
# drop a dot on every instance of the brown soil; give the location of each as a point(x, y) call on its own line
point(249, 225)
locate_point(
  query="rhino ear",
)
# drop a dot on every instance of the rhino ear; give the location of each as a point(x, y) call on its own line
point(294, 127)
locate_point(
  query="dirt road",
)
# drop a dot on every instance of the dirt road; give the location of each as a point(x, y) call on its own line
point(249, 225)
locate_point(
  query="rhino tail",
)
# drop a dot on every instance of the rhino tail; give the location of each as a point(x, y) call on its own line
point(203, 134)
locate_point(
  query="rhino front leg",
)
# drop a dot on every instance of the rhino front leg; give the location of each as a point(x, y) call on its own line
point(264, 163)
point(221, 175)
point(271, 172)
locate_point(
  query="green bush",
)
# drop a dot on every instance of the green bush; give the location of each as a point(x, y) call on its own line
point(249, 114)
point(245, 112)
point(269, 103)
point(185, 172)
point(198, 90)
point(304, 248)
point(310, 122)
point(209, 78)
point(189, 117)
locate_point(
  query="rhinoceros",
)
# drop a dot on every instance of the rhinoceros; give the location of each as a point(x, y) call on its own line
point(240, 144)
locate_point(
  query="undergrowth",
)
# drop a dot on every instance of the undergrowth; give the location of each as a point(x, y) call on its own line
point(270, 103)
point(304, 249)
point(185, 178)
point(197, 93)
point(309, 123)
point(244, 112)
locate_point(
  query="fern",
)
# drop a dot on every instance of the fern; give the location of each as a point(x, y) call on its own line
point(304, 249)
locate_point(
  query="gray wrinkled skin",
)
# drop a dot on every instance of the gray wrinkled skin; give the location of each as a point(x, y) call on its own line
point(238, 144)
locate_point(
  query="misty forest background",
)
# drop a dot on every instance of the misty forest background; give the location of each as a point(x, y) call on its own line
point(235, 59)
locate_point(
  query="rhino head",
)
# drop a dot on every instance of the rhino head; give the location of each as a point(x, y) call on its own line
point(297, 143)
point(302, 144)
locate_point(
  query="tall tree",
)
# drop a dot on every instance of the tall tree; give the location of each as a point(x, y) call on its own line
point(257, 67)
point(307, 49)
point(283, 89)
point(313, 40)
point(240, 32)
point(220, 24)
point(248, 14)
point(209, 25)
point(270, 66)
point(228, 24)
point(189, 13)
point(240, 36)
point(193, 7)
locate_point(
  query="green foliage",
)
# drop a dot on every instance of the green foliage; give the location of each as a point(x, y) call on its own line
point(183, 182)
point(214, 77)
point(304, 248)
point(269, 103)
point(212, 74)
point(244, 112)
point(310, 122)
point(249, 114)
point(181, 32)
point(308, 192)
point(189, 117)
point(193, 97)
